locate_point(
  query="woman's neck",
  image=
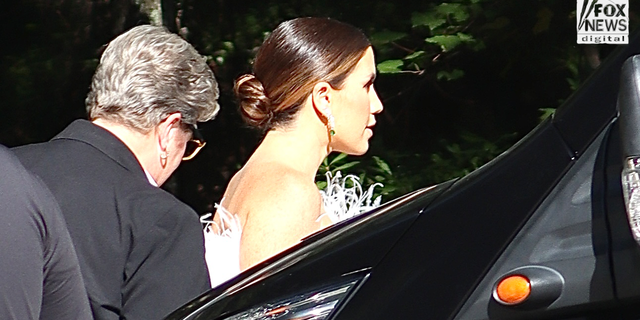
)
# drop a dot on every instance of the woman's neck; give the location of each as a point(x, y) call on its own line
point(302, 150)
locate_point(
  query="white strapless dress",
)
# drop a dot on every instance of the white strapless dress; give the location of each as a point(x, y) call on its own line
point(222, 240)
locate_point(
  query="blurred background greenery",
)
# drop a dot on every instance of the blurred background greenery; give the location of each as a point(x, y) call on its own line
point(461, 80)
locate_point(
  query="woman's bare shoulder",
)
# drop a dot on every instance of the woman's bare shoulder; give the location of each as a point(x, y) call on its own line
point(280, 184)
point(280, 207)
point(273, 187)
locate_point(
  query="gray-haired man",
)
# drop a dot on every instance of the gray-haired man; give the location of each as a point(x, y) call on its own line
point(140, 249)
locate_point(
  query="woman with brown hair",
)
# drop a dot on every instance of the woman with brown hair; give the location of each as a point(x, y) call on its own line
point(311, 92)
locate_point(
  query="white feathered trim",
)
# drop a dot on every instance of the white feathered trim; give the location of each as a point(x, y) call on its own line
point(229, 223)
point(342, 202)
point(222, 238)
point(222, 245)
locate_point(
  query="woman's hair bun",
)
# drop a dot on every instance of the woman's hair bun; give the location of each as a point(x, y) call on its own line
point(255, 106)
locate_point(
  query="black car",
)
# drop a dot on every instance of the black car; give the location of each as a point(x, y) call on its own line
point(541, 232)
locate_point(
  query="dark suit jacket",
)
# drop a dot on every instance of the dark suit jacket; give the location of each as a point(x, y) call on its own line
point(141, 250)
point(39, 272)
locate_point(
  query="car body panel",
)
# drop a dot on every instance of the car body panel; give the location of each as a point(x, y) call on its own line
point(466, 230)
point(551, 204)
point(341, 250)
point(592, 107)
point(567, 234)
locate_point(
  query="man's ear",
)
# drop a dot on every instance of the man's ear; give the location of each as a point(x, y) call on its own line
point(167, 129)
point(321, 98)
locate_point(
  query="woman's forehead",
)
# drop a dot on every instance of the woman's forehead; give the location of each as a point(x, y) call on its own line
point(366, 65)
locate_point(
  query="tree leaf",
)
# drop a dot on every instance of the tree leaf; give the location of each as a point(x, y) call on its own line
point(465, 37)
point(449, 42)
point(428, 19)
point(414, 55)
point(390, 66)
point(338, 158)
point(321, 184)
point(446, 75)
point(455, 10)
point(446, 42)
point(385, 37)
point(382, 165)
point(546, 112)
point(345, 166)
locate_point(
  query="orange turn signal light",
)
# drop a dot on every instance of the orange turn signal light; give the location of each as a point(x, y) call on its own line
point(513, 289)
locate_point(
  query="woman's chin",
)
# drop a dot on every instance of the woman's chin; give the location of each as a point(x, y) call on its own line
point(355, 150)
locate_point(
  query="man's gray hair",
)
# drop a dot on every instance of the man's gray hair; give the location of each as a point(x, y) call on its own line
point(147, 73)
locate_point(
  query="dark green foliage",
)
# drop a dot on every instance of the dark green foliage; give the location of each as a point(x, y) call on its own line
point(461, 80)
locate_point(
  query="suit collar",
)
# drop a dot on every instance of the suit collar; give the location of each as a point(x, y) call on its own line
point(103, 140)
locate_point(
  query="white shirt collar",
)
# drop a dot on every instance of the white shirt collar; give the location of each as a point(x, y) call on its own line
point(150, 178)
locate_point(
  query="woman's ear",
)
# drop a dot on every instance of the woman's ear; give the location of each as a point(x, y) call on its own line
point(321, 98)
point(167, 129)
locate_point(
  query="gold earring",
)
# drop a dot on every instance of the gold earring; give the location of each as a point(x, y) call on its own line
point(163, 158)
point(331, 122)
point(331, 125)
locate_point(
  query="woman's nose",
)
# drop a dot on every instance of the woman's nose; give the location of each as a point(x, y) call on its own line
point(376, 104)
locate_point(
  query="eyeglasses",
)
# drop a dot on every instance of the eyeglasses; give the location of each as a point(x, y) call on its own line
point(195, 144)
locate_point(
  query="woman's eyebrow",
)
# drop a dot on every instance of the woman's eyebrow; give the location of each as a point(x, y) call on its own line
point(371, 80)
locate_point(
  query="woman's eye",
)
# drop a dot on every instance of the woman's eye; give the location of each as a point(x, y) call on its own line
point(369, 83)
